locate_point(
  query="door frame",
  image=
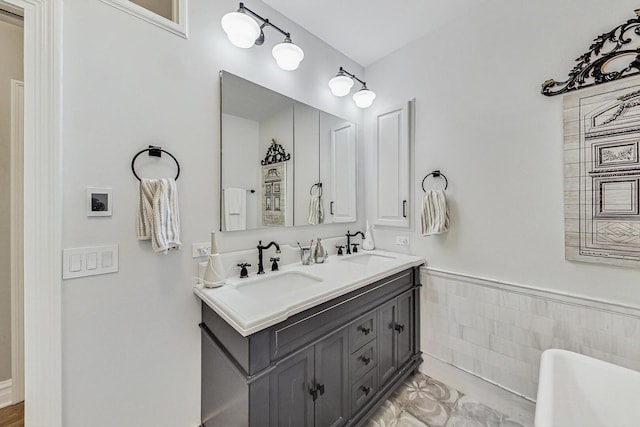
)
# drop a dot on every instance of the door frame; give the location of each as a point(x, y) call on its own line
point(42, 226)
point(17, 254)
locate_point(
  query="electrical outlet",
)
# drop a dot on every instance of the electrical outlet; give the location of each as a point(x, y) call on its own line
point(402, 240)
point(199, 250)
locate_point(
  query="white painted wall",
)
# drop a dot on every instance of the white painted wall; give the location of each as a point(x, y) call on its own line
point(481, 119)
point(307, 159)
point(131, 343)
point(241, 161)
point(11, 47)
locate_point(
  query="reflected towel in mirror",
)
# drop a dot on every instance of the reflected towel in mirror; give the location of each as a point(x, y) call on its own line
point(235, 209)
point(316, 211)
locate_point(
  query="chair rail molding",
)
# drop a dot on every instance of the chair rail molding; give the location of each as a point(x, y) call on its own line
point(42, 227)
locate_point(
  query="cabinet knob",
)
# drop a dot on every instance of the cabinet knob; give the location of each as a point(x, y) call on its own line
point(365, 331)
point(365, 360)
point(321, 389)
point(399, 328)
point(365, 390)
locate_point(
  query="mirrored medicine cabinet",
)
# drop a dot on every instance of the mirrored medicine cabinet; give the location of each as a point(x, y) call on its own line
point(283, 163)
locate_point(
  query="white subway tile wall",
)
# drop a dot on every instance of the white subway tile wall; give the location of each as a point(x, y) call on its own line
point(498, 331)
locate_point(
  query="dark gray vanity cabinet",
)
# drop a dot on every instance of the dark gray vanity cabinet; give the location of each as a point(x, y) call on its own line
point(331, 365)
point(311, 388)
point(395, 335)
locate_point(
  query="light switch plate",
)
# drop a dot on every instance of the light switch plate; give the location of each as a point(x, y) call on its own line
point(81, 262)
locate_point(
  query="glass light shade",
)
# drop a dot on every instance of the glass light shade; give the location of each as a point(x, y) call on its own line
point(364, 98)
point(287, 55)
point(241, 29)
point(340, 85)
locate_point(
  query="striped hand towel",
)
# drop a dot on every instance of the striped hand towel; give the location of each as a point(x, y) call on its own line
point(435, 213)
point(158, 214)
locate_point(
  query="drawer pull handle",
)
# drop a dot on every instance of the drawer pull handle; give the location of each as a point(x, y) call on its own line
point(365, 390)
point(399, 328)
point(365, 360)
point(365, 331)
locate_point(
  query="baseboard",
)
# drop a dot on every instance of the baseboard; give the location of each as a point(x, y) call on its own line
point(6, 393)
point(515, 406)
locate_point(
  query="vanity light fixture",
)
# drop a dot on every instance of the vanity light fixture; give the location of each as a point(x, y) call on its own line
point(243, 31)
point(342, 83)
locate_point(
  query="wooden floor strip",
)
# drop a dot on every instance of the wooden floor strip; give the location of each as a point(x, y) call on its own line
point(12, 416)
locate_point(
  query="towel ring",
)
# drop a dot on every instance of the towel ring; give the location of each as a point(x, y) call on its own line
point(319, 185)
point(436, 174)
point(154, 152)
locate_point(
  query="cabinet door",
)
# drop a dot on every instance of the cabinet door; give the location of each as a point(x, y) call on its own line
point(404, 327)
point(393, 167)
point(344, 174)
point(291, 403)
point(332, 380)
point(387, 354)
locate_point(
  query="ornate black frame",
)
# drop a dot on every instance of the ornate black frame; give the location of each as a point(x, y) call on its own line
point(604, 49)
point(275, 154)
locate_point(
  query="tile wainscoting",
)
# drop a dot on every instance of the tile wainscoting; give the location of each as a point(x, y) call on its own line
point(497, 331)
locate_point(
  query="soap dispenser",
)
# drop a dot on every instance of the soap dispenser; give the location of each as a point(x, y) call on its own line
point(367, 243)
point(214, 275)
point(319, 254)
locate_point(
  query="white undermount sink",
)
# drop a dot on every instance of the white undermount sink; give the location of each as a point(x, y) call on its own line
point(366, 259)
point(270, 284)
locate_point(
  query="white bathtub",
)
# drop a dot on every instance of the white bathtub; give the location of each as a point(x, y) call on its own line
point(579, 391)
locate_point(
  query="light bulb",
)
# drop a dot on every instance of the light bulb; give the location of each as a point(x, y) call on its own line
point(364, 97)
point(340, 85)
point(241, 29)
point(287, 55)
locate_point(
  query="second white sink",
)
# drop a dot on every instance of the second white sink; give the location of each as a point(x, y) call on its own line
point(366, 259)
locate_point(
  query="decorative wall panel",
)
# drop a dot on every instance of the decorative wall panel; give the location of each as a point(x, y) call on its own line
point(602, 173)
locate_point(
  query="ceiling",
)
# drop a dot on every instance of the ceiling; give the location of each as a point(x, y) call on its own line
point(367, 30)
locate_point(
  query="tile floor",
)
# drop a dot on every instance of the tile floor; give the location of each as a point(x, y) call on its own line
point(424, 402)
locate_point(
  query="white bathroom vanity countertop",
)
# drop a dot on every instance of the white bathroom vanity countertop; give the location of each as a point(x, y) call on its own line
point(257, 302)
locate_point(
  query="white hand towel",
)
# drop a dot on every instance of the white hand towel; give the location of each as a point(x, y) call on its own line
point(435, 213)
point(235, 209)
point(316, 211)
point(158, 214)
point(235, 199)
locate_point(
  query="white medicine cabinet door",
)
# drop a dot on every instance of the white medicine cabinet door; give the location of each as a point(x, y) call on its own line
point(344, 174)
point(392, 135)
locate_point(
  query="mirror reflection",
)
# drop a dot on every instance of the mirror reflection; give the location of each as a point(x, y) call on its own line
point(283, 163)
point(166, 8)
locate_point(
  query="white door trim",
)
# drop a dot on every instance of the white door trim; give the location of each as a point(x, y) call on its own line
point(17, 219)
point(42, 210)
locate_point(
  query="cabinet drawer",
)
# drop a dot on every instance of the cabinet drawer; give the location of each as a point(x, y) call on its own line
point(363, 330)
point(363, 390)
point(363, 360)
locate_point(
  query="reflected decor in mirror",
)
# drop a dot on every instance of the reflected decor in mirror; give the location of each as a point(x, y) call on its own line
point(274, 151)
